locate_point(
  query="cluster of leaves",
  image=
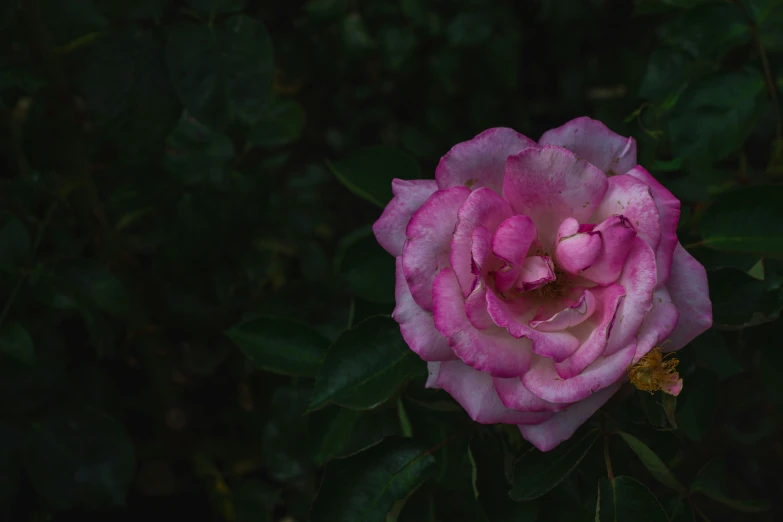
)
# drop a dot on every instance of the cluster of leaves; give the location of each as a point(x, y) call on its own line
point(194, 315)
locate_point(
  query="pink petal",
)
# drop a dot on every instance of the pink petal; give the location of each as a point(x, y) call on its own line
point(592, 140)
point(568, 313)
point(417, 325)
point(475, 392)
point(544, 381)
point(673, 386)
point(514, 316)
point(429, 238)
point(536, 272)
point(669, 211)
point(550, 184)
point(617, 235)
point(482, 208)
point(548, 434)
point(433, 369)
point(492, 350)
point(658, 323)
point(688, 288)
point(476, 307)
point(575, 251)
point(638, 279)
point(481, 162)
point(480, 248)
point(513, 238)
point(633, 199)
point(409, 196)
point(596, 331)
point(514, 395)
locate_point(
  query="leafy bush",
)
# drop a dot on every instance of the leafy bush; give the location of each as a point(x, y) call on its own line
point(193, 310)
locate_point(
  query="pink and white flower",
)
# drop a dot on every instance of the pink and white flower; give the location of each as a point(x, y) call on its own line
point(531, 276)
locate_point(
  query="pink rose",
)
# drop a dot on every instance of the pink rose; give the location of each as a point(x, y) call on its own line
point(533, 276)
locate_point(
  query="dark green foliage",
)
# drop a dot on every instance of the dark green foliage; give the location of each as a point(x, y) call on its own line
point(195, 316)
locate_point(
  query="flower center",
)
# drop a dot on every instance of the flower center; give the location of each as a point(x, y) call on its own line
point(557, 288)
point(655, 371)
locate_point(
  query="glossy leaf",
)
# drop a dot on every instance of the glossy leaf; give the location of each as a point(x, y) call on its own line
point(222, 73)
point(745, 220)
point(280, 345)
point(364, 488)
point(368, 268)
point(711, 481)
point(627, 500)
point(365, 366)
point(652, 462)
point(368, 172)
point(536, 473)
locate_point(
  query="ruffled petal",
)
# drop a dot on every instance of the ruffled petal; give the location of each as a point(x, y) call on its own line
point(544, 381)
point(548, 434)
point(669, 212)
point(482, 208)
point(550, 184)
point(688, 288)
point(659, 322)
point(429, 238)
point(568, 314)
point(409, 196)
point(576, 251)
point(491, 350)
point(596, 331)
point(433, 369)
point(536, 272)
point(513, 239)
point(417, 325)
point(638, 279)
point(617, 235)
point(481, 162)
point(476, 307)
point(592, 140)
point(475, 392)
point(514, 395)
point(515, 315)
point(633, 199)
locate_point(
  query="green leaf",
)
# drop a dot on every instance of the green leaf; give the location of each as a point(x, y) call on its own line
point(652, 462)
point(253, 501)
point(281, 124)
point(710, 351)
point(217, 6)
point(80, 457)
point(367, 267)
point(715, 116)
point(330, 429)
point(363, 488)
point(666, 73)
point(195, 153)
point(746, 220)
point(709, 31)
point(134, 9)
point(222, 73)
point(280, 345)
point(627, 500)
point(697, 404)
point(368, 172)
point(711, 482)
point(739, 300)
point(536, 472)
point(491, 455)
point(67, 21)
point(16, 343)
point(365, 366)
point(125, 85)
point(14, 243)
